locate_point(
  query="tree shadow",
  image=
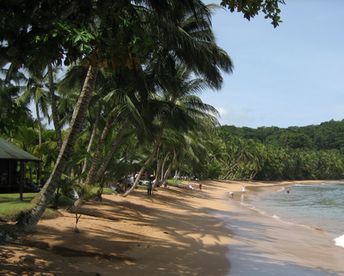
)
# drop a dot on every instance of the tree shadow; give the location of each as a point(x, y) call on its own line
point(186, 240)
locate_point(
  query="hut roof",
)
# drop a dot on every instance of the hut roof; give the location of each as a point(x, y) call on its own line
point(10, 151)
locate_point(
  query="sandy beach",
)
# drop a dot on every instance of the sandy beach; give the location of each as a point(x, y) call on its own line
point(177, 231)
point(172, 233)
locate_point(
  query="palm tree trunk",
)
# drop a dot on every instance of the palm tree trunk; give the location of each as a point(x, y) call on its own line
point(139, 174)
point(114, 147)
point(168, 172)
point(95, 159)
point(29, 221)
point(39, 125)
point(158, 172)
point(176, 174)
point(158, 167)
point(163, 167)
point(90, 143)
point(54, 112)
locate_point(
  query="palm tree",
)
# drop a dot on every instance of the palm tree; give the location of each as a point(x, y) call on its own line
point(13, 112)
point(31, 219)
point(54, 103)
point(195, 32)
point(35, 92)
point(175, 108)
point(109, 22)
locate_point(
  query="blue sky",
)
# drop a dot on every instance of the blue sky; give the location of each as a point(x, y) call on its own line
point(289, 76)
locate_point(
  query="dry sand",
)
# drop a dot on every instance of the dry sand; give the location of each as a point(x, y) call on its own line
point(171, 233)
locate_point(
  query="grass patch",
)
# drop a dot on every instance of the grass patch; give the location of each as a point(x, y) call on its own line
point(106, 191)
point(15, 197)
point(11, 207)
point(177, 182)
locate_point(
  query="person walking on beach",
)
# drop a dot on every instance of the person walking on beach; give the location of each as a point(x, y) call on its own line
point(243, 190)
point(150, 185)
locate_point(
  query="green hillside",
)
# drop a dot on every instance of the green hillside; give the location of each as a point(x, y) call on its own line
point(272, 153)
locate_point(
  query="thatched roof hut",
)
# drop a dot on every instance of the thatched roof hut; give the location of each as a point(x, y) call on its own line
point(12, 167)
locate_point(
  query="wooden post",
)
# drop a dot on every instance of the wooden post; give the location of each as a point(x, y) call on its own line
point(30, 170)
point(39, 174)
point(9, 177)
point(22, 179)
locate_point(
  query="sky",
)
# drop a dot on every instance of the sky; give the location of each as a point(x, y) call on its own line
point(289, 76)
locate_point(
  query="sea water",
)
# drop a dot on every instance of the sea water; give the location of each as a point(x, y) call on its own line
point(275, 232)
point(319, 206)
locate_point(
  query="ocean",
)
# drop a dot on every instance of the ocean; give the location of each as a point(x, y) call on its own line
point(319, 206)
point(283, 233)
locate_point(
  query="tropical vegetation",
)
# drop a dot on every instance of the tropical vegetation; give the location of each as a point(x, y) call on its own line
point(272, 153)
point(102, 89)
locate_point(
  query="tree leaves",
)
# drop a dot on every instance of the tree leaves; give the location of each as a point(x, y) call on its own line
point(251, 8)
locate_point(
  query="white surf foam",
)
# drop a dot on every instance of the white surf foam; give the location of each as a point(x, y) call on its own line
point(276, 217)
point(301, 185)
point(339, 241)
point(253, 208)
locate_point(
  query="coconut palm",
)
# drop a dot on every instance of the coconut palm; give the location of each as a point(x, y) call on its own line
point(36, 92)
point(196, 34)
point(101, 48)
point(13, 112)
point(51, 72)
point(175, 108)
point(127, 120)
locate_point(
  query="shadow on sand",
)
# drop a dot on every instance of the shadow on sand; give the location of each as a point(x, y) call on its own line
point(117, 251)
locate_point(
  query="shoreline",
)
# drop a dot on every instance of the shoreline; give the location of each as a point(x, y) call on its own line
point(177, 231)
point(279, 246)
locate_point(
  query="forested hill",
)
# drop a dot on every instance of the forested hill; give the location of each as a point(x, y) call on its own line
point(272, 153)
point(327, 135)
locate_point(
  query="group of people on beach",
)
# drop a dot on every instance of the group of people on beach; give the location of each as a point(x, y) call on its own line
point(243, 190)
point(130, 180)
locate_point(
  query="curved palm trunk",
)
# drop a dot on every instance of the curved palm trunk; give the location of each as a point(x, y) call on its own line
point(90, 143)
point(158, 172)
point(90, 179)
point(39, 125)
point(148, 161)
point(30, 220)
point(176, 174)
point(230, 171)
point(54, 112)
point(110, 154)
point(163, 167)
point(158, 168)
point(168, 171)
point(166, 175)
